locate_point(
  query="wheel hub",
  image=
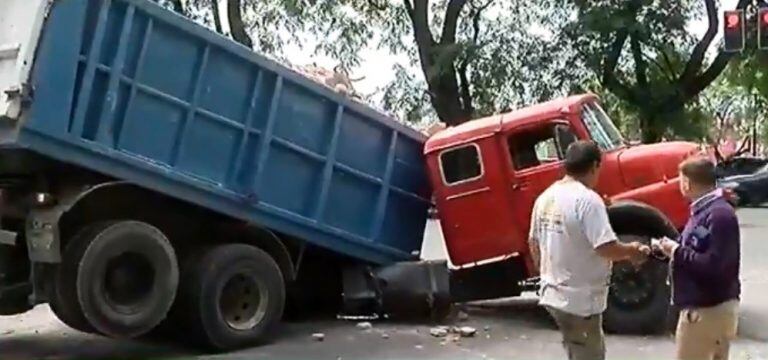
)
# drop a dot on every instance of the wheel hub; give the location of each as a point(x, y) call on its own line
point(243, 302)
point(129, 279)
point(630, 287)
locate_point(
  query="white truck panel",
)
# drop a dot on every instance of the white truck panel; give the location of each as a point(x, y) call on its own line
point(20, 24)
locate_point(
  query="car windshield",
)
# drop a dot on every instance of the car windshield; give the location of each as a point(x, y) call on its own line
point(601, 128)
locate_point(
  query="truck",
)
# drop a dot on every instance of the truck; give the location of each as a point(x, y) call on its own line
point(156, 175)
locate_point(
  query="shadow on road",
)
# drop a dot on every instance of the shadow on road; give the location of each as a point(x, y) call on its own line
point(79, 346)
point(519, 310)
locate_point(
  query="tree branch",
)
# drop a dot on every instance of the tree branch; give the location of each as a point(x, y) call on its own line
point(376, 5)
point(662, 69)
point(668, 62)
point(418, 12)
point(216, 16)
point(452, 13)
point(696, 85)
point(477, 11)
point(178, 6)
point(466, 91)
point(692, 85)
point(641, 68)
point(409, 9)
point(700, 50)
point(236, 25)
point(609, 78)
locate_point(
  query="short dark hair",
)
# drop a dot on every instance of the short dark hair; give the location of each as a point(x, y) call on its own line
point(581, 157)
point(700, 171)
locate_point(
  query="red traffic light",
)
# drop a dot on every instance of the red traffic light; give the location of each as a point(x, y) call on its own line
point(733, 30)
point(762, 29)
point(732, 20)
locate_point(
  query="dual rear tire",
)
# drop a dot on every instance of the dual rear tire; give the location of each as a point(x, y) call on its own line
point(232, 296)
point(121, 279)
point(116, 278)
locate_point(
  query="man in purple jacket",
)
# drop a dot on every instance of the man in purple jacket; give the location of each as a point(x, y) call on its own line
point(705, 267)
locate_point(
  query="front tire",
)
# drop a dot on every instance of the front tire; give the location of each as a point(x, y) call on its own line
point(233, 296)
point(639, 300)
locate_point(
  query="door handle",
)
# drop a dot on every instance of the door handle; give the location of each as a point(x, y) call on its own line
point(520, 185)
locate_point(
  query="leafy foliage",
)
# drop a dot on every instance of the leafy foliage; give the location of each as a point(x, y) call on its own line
point(643, 53)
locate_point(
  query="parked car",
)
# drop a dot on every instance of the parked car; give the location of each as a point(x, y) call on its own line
point(750, 189)
point(740, 166)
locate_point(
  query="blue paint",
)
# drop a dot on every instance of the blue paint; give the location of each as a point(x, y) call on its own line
point(128, 89)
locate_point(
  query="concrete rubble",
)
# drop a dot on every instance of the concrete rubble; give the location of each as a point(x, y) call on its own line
point(443, 331)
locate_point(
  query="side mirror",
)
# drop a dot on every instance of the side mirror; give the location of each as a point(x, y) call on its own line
point(563, 138)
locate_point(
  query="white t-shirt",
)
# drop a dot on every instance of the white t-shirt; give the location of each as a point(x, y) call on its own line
point(569, 221)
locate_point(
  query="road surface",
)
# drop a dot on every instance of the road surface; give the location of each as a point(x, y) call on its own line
point(506, 329)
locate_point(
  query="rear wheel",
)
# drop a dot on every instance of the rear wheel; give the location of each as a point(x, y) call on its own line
point(117, 278)
point(233, 296)
point(62, 290)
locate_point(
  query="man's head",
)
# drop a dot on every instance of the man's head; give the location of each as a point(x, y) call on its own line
point(582, 162)
point(697, 177)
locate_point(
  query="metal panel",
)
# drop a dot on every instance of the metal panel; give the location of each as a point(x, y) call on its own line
point(166, 104)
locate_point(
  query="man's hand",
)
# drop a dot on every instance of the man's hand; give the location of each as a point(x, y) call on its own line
point(640, 253)
point(634, 252)
point(665, 245)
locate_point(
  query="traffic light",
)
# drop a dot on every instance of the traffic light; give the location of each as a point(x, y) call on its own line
point(733, 31)
point(762, 29)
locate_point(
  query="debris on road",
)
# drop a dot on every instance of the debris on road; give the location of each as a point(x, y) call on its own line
point(439, 331)
point(385, 336)
point(364, 325)
point(463, 316)
point(443, 331)
point(487, 328)
point(419, 347)
point(318, 337)
point(467, 331)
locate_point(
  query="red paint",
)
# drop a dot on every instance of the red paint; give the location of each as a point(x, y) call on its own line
point(489, 217)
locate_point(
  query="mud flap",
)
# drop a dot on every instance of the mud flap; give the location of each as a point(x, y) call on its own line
point(407, 290)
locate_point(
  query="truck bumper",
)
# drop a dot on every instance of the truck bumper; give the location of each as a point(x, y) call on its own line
point(407, 290)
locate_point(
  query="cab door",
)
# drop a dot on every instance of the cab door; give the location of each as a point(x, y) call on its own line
point(474, 215)
point(535, 162)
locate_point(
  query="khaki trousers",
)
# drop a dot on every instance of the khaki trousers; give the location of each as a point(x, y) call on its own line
point(706, 333)
point(583, 337)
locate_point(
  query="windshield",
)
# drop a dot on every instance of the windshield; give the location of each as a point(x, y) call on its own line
point(600, 127)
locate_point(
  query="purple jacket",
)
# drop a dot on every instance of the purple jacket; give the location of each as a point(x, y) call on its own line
point(705, 267)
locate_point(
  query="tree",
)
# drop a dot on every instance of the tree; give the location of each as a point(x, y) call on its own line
point(643, 53)
point(475, 57)
point(205, 12)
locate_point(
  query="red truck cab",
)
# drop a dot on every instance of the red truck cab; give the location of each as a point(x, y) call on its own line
point(486, 175)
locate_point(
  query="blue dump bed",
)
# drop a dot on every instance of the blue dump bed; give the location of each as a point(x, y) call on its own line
point(136, 92)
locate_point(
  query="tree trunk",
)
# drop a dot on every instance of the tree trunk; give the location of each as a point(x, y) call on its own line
point(446, 97)
point(216, 16)
point(650, 129)
point(236, 24)
point(178, 6)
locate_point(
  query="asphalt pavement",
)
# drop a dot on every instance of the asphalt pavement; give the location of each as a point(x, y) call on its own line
point(506, 329)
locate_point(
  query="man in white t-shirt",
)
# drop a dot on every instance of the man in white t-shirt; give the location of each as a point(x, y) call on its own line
point(573, 245)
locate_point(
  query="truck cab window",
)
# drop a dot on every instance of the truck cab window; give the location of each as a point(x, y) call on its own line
point(461, 164)
point(601, 128)
point(534, 147)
